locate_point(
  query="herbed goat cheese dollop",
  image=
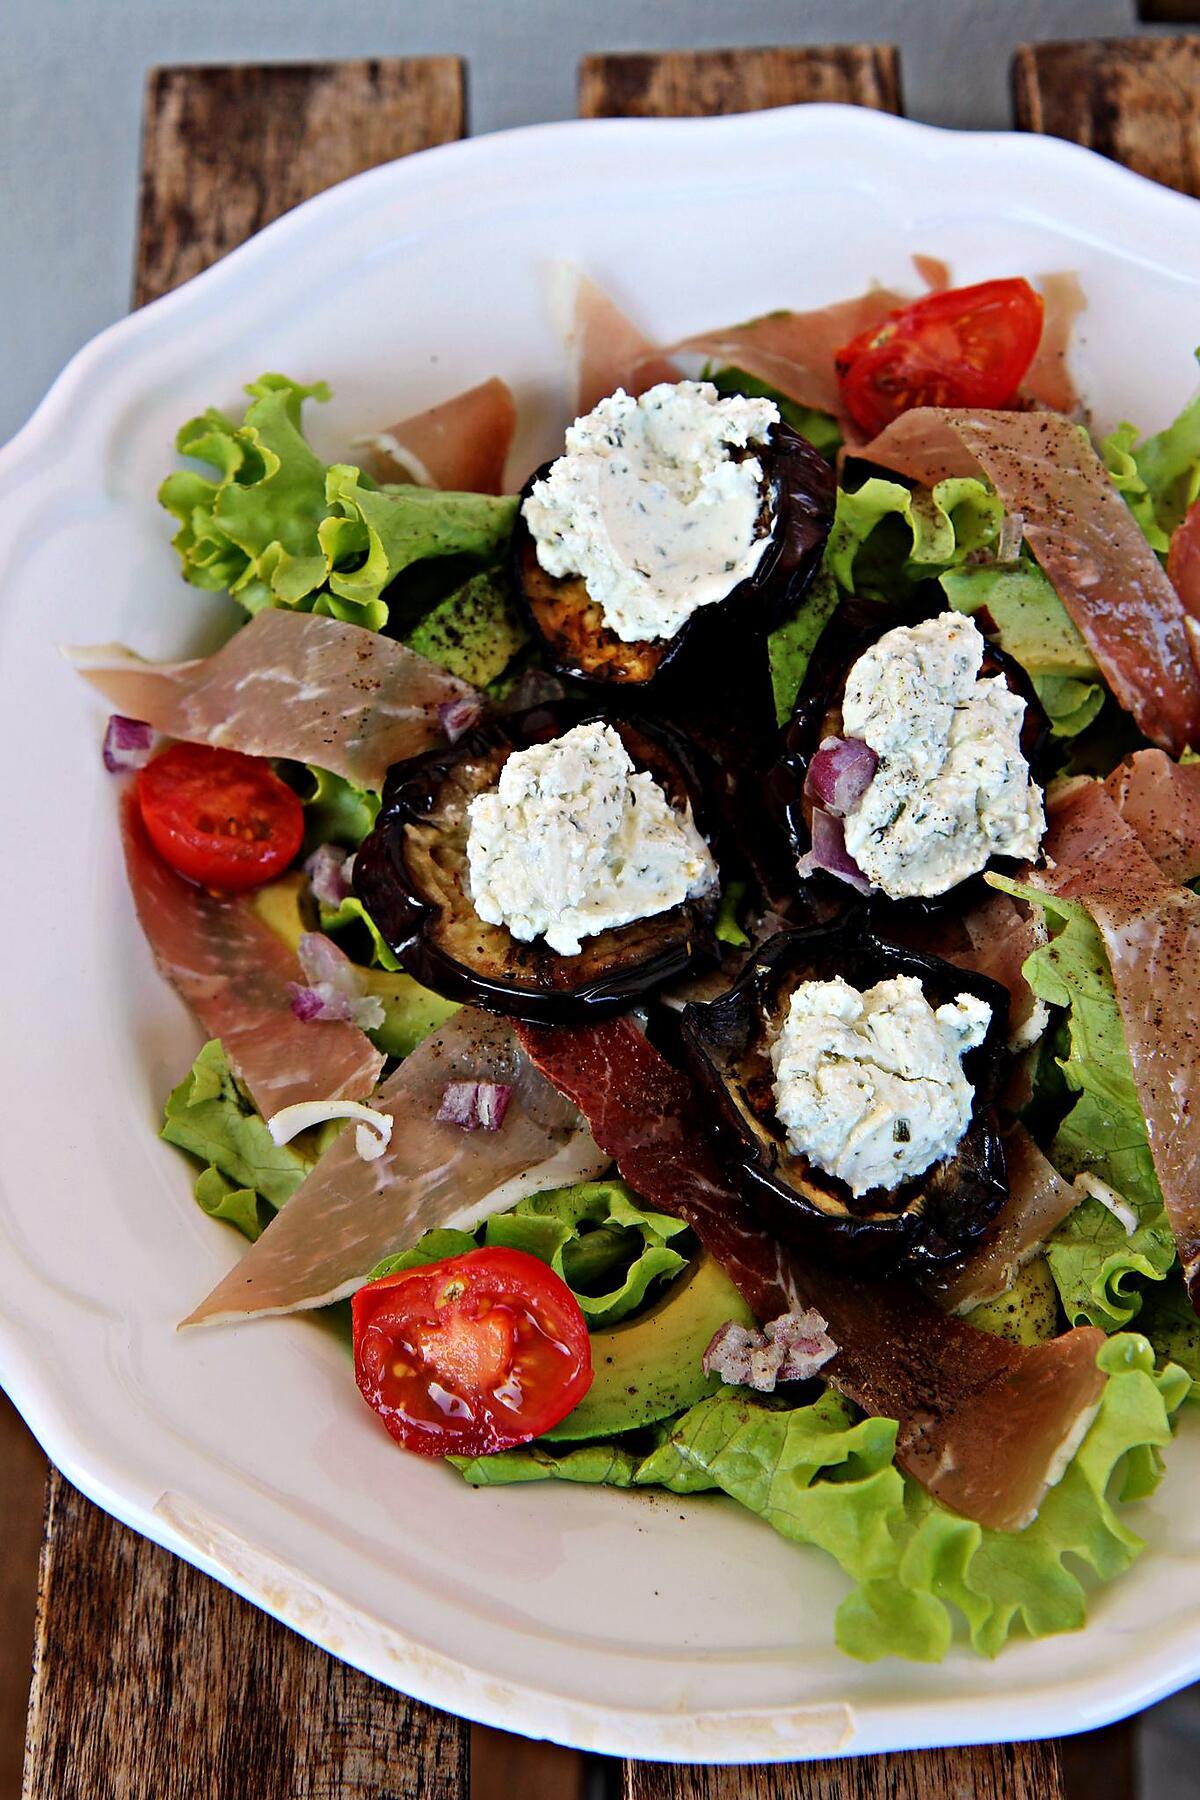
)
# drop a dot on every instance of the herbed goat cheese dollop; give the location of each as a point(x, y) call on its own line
point(952, 788)
point(573, 841)
point(869, 1086)
point(650, 506)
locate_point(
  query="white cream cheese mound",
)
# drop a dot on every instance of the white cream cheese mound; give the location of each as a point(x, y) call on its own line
point(952, 787)
point(870, 1087)
point(649, 506)
point(572, 841)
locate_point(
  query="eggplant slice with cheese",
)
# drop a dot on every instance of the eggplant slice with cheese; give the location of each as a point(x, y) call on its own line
point(927, 1221)
point(799, 492)
point(803, 799)
point(411, 874)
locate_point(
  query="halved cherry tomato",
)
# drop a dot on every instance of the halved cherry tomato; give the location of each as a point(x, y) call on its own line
point(471, 1354)
point(222, 819)
point(965, 347)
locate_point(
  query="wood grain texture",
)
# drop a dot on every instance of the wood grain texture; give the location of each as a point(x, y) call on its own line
point(151, 1682)
point(226, 150)
point(694, 83)
point(1136, 100)
point(22, 1500)
point(994, 1772)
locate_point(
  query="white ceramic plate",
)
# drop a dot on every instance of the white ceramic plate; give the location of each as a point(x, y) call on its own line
point(632, 1624)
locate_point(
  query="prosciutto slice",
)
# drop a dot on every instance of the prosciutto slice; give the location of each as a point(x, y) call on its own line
point(1047, 379)
point(606, 350)
point(1160, 801)
point(234, 973)
point(1183, 560)
point(1039, 1199)
point(289, 684)
point(794, 351)
point(994, 938)
point(1090, 845)
point(1086, 540)
point(462, 444)
point(985, 1425)
point(349, 1214)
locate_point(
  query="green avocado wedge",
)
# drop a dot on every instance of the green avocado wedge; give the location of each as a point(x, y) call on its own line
point(1027, 1313)
point(650, 1368)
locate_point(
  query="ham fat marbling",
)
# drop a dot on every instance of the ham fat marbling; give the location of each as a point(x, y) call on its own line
point(461, 445)
point(292, 685)
point(985, 1425)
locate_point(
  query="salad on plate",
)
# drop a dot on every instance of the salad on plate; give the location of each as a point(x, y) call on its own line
point(698, 958)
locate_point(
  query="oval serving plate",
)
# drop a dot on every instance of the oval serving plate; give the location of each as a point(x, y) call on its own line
point(626, 1623)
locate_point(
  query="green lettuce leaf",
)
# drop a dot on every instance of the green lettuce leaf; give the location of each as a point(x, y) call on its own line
point(727, 927)
point(820, 428)
point(276, 527)
point(790, 645)
point(1169, 1320)
point(819, 1475)
point(337, 812)
point(1097, 1268)
point(1035, 628)
point(886, 536)
point(1159, 478)
point(246, 1176)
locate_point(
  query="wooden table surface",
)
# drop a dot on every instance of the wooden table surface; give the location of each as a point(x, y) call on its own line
point(151, 1682)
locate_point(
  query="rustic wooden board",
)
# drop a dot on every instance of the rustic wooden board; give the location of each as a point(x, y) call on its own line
point(1170, 12)
point(22, 1501)
point(1000, 1772)
point(226, 150)
point(692, 83)
point(151, 1682)
point(1136, 100)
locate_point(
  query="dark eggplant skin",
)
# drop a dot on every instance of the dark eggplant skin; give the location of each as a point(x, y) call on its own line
point(410, 874)
point(802, 492)
point(925, 1223)
point(854, 627)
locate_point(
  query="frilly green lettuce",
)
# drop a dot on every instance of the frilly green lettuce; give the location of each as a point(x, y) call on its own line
point(1097, 1268)
point(1160, 478)
point(246, 1176)
point(277, 528)
point(886, 536)
point(820, 1476)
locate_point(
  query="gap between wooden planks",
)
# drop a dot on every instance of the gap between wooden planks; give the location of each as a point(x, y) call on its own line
point(149, 1679)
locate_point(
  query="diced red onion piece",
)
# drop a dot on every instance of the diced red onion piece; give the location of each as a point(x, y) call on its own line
point(328, 871)
point(457, 716)
point(333, 990)
point(840, 774)
point(829, 852)
point(474, 1105)
point(791, 1348)
point(307, 1002)
point(127, 744)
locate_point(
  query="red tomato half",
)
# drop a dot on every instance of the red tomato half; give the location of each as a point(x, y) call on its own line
point(222, 819)
point(965, 347)
point(471, 1354)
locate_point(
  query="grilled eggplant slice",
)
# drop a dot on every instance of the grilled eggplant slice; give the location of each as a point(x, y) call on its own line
point(411, 875)
point(855, 626)
point(798, 504)
point(927, 1221)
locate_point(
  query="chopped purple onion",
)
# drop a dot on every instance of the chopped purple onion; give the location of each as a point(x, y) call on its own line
point(331, 989)
point(829, 852)
point(534, 687)
point(127, 744)
point(791, 1348)
point(457, 716)
point(840, 774)
point(307, 1003)
point(474, 1105)
point(328, 870)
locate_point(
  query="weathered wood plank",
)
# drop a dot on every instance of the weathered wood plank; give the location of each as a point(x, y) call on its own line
point(22, 1502)
point(1170, 12)
point(694, 83)
point(151, 1682)
point(1136, 100)
point(226, 150)
point(994, 1772)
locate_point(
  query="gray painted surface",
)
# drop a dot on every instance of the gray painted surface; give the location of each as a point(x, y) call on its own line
point(72, 71)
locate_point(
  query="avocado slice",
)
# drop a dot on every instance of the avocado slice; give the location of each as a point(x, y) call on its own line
point(410, 1011)
point(650, 1367)
point(1027, 1313)
point(1037, 630)
point(475, 632)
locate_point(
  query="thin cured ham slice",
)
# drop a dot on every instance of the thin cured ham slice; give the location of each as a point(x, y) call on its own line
point(606, 349)
point(234, 972)
point(1183, 560)
point(993, 938)
point(985, 1425)
point(349, 1214)
point(1160, 800)
point(1047, 379)
point(794, 351)
point(1086, 539)
point(461, 445)
point(1089, 845)
point(289, 684)
point(1039, 1199)
point(1152, 939)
